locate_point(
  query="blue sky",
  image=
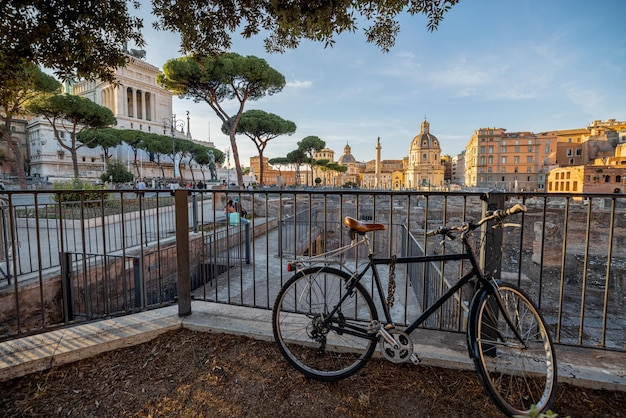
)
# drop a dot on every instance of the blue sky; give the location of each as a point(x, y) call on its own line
point(523, 65)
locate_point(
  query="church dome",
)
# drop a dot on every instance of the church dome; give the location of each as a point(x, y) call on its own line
point(347, 157)
point(425, 140)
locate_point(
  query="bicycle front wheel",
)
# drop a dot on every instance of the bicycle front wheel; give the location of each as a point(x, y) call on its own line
point(517, 373)
point(320, 329)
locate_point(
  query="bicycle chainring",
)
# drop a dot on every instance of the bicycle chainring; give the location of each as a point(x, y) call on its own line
point(403, 352)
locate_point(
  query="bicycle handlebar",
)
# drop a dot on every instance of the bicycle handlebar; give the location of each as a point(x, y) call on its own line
point(498, 215)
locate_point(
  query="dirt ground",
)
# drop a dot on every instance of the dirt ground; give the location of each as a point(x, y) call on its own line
point(198, 374)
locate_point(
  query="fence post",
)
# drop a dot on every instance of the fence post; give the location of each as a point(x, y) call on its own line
point(194, 211)
point(491, 252)
point(491, 261)
point(138, 283)
point(183, 276)
point(66, 287)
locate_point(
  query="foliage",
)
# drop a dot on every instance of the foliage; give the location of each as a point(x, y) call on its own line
point(134, 139)
point(72, 114)
point(261, 127)
point(219, 79)
point(77, 39)
point(157, 145)
point(535, 414)
point(309, 146)
point(350, 185)
point(317, 181)
point(77, 189)
point(117, 173)
point(106, 138)
point(206, 26)
point(21, 81)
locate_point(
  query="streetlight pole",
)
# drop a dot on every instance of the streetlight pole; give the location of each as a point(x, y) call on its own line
point(173, 123)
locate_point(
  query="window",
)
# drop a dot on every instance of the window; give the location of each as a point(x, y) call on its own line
point(489, 170)
point(504, 160)
point(490, 159)
point(424, 157)
point(503, 150)
point(490, 149)
point(579, 152)
point(618, 179)
point(569, 152)
point(482, 149)
point(516, 149)
point(516, 159)
point(529, 159)
point(575, 186)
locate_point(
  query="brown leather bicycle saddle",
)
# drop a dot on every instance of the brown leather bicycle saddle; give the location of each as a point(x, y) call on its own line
point(362, 227)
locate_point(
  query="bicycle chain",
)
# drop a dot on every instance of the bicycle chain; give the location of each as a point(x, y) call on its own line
point(391, 285)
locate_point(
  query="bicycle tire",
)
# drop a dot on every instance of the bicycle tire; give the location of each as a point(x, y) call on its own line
point(316, 350)
point(516, 376)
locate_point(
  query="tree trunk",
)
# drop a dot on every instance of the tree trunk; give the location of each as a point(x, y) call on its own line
point(233, 145)
point(261, 180)
point(75, 162)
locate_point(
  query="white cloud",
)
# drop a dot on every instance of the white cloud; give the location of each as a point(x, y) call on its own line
point(297, 84)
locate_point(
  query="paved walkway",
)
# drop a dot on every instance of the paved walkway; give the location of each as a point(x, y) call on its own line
point(582, 367)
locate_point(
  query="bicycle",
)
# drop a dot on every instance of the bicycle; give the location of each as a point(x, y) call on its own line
point(326, 324)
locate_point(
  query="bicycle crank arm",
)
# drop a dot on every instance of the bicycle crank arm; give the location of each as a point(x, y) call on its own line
point(387, 337)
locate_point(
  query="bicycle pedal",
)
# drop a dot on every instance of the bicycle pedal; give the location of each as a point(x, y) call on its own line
point(415, 359)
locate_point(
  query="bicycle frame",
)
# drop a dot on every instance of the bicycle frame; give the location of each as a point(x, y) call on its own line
point(468, 254)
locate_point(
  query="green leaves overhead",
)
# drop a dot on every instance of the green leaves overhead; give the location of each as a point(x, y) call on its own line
point(77, 39)
point(206, 26)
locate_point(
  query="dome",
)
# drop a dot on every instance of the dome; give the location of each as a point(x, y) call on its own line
point(347, 157)
point(425, 140)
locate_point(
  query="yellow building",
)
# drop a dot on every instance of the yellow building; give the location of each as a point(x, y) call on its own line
point(605, 175)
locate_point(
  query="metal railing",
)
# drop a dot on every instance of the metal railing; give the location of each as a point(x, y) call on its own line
point(64, 262)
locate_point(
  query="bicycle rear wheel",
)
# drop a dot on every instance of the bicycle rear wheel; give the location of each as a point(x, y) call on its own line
point(321, 346)
point(516, 374)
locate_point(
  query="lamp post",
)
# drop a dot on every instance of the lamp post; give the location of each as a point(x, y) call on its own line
point(173, 123)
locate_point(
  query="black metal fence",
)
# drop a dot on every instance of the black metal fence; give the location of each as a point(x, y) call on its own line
point(63, 262)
